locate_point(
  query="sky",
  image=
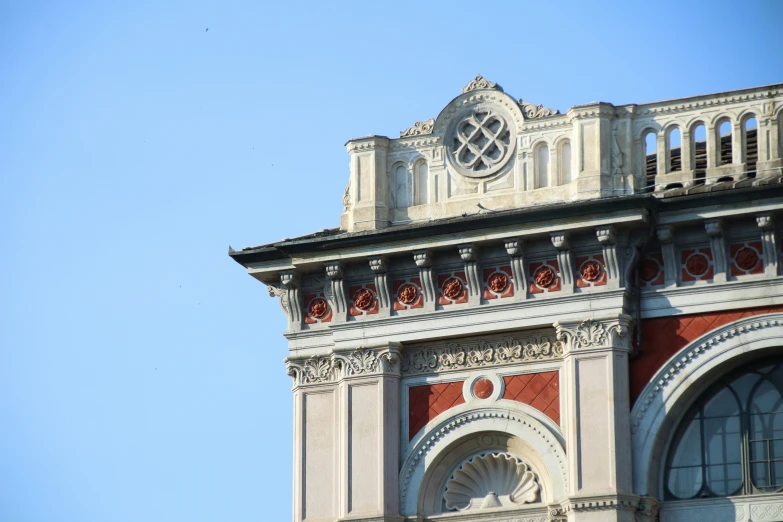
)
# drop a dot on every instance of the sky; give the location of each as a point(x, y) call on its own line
point(141, 373)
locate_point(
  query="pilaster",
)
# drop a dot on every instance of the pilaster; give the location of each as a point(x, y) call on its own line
point(515, 248)
point(597, 418)
point(367, 195)
point(560, 241)
point(769, 244)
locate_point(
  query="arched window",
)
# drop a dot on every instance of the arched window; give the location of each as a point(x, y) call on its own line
point(724, 143)
point(675, 150)
point(565, 162)
point(751, 144)
point(699, 152)
point(401, 188)
point(542, 166)
point(731, 440)
point(422, 184)
point(650, 140)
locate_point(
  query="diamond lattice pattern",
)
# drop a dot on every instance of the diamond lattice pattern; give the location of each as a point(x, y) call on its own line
point(539, 390)
point(430, 400)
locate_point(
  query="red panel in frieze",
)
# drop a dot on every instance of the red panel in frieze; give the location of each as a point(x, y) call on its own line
point(316, 309)
point(665, 336)
point(452, 288)
point(590, 271)
point(430, 400)
point(544, 276)
point(651, 270)
point(539, 390)
point(406, 294)
point(746, 258)
point(363, 300)
point(498, 282)
point(696, 264)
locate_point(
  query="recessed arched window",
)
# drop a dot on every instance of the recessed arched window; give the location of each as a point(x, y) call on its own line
point(565, 162)
point(751, 145)
point(731, 440)
point(724, 143)
point(674, 144)
point(401, 187)
point(699, 152)
point(650, 145)
point(542, 166)
point(422, 184)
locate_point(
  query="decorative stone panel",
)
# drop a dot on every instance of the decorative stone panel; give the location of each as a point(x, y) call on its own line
point(430, 400)
point(697, 264)
point(498, 282)
point(663, 337)
point(452, 288)
point(544, 276)
point(317, 309)
point(746, 258)
point(363, 300)
point(341, 365)
point(590, 271)
point(539, 390)
point(407, 294)
point(651, 270)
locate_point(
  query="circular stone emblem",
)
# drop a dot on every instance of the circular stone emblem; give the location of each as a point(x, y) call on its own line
point(498, 282)
point(590, 270)
point(746, 258)
point(697, 264)
point(483, 388)
point(482, 143)
point(363, 299)
point(648, 270)
point(407, 294)
point(452, 288)
point(317, 308)
point(544, 277)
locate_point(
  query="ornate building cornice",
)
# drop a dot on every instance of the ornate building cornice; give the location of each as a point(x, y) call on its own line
point(595, 333)
point(341, 365)
point(480, 353)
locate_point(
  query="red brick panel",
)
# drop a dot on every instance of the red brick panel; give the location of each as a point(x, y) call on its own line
point(430, 400)
point(539, 390)
point(665, 336)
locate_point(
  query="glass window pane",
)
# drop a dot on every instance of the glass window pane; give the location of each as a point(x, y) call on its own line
point(685, 482)
point(743, 385)
point(722, 404)
point(759, 474)
point(688, 452)
point(777, 474)
point(776, 449)
point(766, 399)
point(758, 450)
point(722, 440)
point(724, 479)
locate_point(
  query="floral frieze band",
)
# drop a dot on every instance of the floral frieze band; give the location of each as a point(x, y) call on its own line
point(477, 353)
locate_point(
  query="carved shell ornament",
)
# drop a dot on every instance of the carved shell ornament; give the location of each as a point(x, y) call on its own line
point(491, 480)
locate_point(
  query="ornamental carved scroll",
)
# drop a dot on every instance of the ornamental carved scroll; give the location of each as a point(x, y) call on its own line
point(480, 353)
point(334, 367)
point(595, 333)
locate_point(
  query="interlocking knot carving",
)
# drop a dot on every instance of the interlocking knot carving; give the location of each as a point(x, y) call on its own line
point(407, 293)
point(590, 270)
point(317, 308)
point(747, 258)
point(482, 142)
point(697, 264)
point(498, 282)
point(453, 288)
point(363, 299)
point(544, 277)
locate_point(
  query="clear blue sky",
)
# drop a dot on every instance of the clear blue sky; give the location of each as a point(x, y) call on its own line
point(141, 374)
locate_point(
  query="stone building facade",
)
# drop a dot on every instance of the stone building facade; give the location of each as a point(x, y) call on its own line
point(528, 315)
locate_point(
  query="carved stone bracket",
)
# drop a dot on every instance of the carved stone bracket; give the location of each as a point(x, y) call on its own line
point(560, 241)
point(670, 265)
point(469, 256)
point(515, 249)
point(343, 365)
point(480, 353)
point(291, 299)
point(769, 244)
point(378, 267)
point(419, 128)
point(606, 236)
point(600, 333)
point(718, 246)
point(423, 260)
point(337, 289)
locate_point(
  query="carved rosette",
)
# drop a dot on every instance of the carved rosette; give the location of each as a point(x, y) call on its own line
point(341, 365)
point(595, 333)
point(479, 353)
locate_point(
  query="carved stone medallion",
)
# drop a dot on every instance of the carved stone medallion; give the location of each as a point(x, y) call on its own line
point(498, 282)
point(747, 258)
point(697, 264)
point(590, 270)
point(482, 141)
point(483, 388)
point(317, 308)
point(544, 277)
point(363, 299)
point(453, 288)
point(407, 294)
point(648, 270)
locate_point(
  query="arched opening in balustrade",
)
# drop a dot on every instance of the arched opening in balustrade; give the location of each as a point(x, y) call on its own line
point(542, 166)
point(750, 144)
point(650, 144)
point(674, 146)
point(699, 152)
point(724, 143)
point(564, 160)
point(421, 192)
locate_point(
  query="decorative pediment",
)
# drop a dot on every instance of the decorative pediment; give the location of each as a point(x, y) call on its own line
point(419, 128)
point(479, 82)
